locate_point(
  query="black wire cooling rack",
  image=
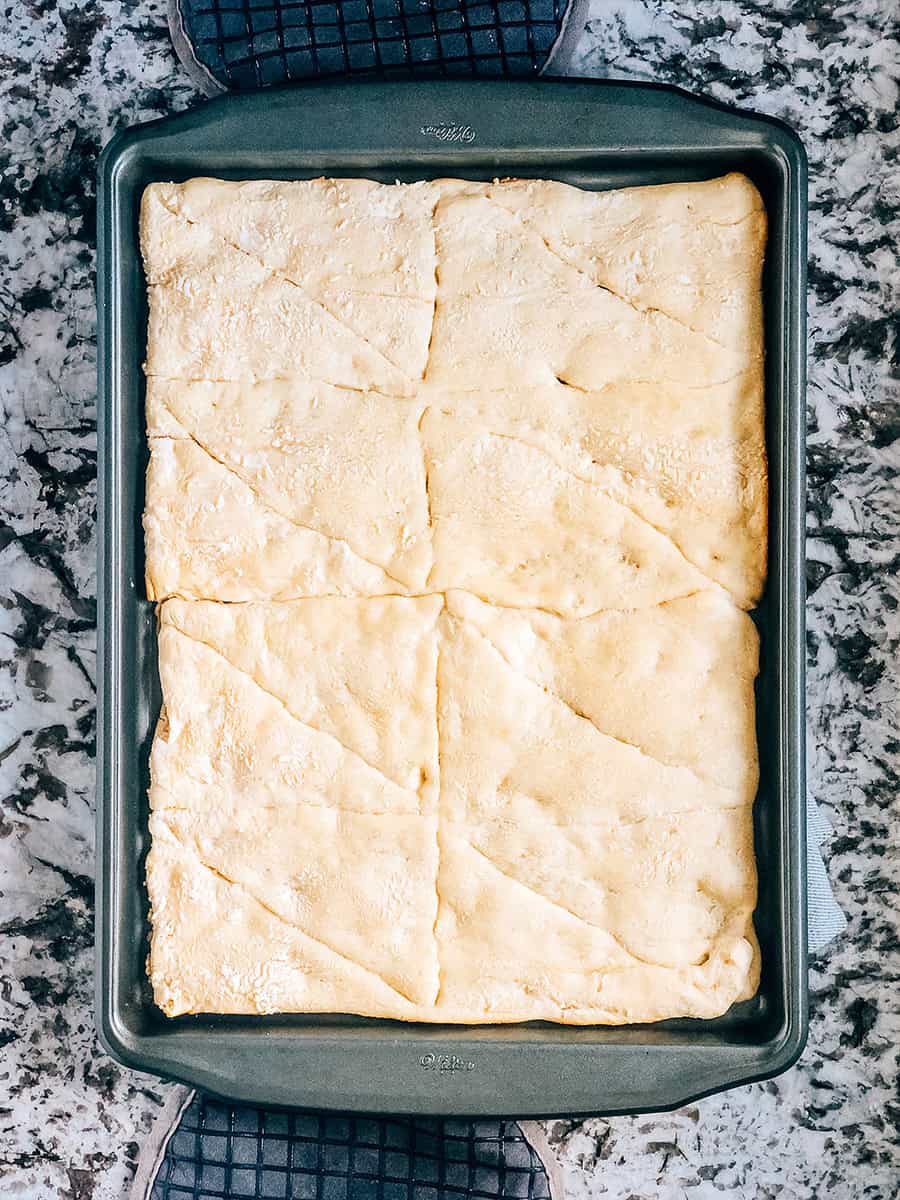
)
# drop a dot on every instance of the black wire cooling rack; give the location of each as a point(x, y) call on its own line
point(224, 1151)
point(248, 44)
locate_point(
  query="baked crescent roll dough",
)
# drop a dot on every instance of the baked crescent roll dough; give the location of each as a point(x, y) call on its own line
point(690, 463)
point(509, 955)
point(346, 465)
point(218, 313)
point(364, 251)
point(511, 312)
point(693, 251)
point(207, 533)
point(524, 887)
point(675, 681)
point(456, 504)
point(360, 671)
point(217, 948)
point(512, 526)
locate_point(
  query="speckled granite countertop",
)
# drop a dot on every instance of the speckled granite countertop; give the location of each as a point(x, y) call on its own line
point(71, 1120)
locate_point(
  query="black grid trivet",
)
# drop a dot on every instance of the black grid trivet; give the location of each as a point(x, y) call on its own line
point(247, 44)
point(220, 1150)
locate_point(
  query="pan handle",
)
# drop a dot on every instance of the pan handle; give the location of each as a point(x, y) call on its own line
point(458, 124)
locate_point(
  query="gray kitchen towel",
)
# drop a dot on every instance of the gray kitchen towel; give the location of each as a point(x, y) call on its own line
point(825, 918)
point(206, 1149)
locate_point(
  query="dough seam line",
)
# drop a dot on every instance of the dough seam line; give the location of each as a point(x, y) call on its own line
point(485, 599)
point(285, 376)
point(437, 822)
point(648, 381)
point(426, 468)
point(608, 826)
point(308, 377)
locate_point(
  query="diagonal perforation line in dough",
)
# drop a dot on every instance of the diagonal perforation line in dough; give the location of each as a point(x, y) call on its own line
point(157, 787)
point(648, 962)
point(267, 504)
point(306, 724)
point(251, 895)
point(510, 437)
point(276, 274)
point(605, 287)
point(661, 762)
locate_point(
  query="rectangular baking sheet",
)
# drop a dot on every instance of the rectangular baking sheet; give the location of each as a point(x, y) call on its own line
point(596, 135)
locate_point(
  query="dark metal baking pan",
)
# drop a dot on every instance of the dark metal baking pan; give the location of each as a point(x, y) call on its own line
point(596, 135)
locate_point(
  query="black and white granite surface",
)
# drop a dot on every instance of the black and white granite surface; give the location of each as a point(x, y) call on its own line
point(71, 1121)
